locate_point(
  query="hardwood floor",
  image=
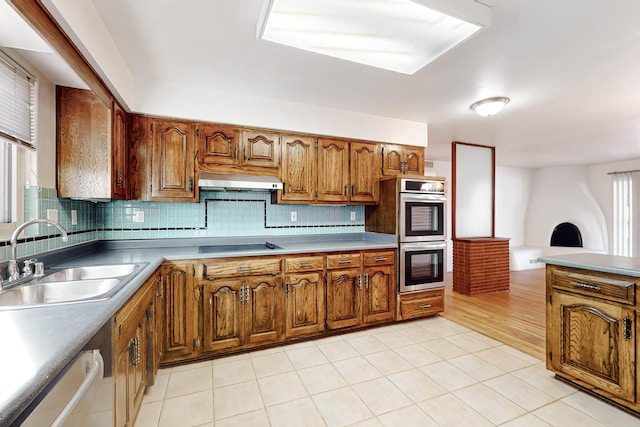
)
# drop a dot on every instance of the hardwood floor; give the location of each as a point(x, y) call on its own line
point(516, 317)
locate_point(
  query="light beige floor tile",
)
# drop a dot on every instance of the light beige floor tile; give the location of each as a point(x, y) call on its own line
point(205, 425)
point(393, 338)
point(417, 334)
point(356, 370)
point(388, 362)
point(520, 392)
point(502, 359)
point(489, 403)
point(600, 410)
point(485, 339)
point(271, 364)
point(560, 414)
point(237, 371)
point(301, 412)
point(416, 385)
point(230, 359)
point(371, 422)
point(236, 399)
point(443, 349)
point(448, 376)
point(449, 411)
point(187, 410)
point(157, 390)
point(257, 418)
point(411, 416)
point(441, 327)
point(318, 379)
point(527, 420)
point(281, 388)
point(417, 355)
point(337, 350)
point(544, 380)
point(468, 342)
point(472, 365)
point(164, 371)
point(189, 366)
point(297, 345)
point(366, 344)
point(381, 396)
point(149, 414)
point(341, 407)
point(260, 353)
point(189, 381)
point(520, 355)
point(305, 357)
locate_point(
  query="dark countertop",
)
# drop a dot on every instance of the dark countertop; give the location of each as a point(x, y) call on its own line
point(627, 266)
point(39, 342)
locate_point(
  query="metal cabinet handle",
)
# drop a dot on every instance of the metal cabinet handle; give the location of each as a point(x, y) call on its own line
point(245, 268)
point(134, 352)
point(345, 191)
point(591, 286)
point(424, 306)
point(366, 280)
point(235, 153)
point(344, 261)
point(627, 328)
point(359, 281)
point(305, 264)
point(247, 295)
point(190, 184)
point(287, 288)
point(380, 259)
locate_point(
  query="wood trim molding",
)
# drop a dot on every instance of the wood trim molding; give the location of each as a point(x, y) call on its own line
point(37, 15)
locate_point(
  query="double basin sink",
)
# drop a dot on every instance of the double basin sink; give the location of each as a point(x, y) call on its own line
point(70, 285)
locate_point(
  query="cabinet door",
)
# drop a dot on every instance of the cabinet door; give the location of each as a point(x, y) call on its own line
point(298, 170)
point(222, 314)
point(594, 342)
point(136, 375)
point(392, 160)
point(260, 149)
point(120, 153)
point(304, 304)
point(218, 145)
point(263, 310)
point(333, 171)
point(180, 325)
point(158, 317)
point(414, 161)
point(364, 172)
point(344, 298)
point(379, 294)
point(173, 161)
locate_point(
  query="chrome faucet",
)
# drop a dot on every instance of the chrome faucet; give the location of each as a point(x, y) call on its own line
point(13, 272)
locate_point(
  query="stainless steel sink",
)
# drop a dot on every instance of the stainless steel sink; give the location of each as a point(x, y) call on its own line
point(36, 294)
point(70, 285)
point(90, 272)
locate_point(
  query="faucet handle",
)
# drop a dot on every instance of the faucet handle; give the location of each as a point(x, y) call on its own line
point(26, 270)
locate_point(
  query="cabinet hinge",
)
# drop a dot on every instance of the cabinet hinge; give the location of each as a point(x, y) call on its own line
point(550, 299)
point(193, 271)
point(197, 153)
point(316, 196)
point(151, 127)
point(316, 144)
point(550, 355)
point(197, 132)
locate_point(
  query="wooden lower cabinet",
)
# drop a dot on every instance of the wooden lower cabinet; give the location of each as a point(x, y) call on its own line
point(242, 312)
point(304, 304)
point(591, 332)
point(132, 334)
point(420, 304)
point(180, 331)
point(379, 294)
point(344, 298)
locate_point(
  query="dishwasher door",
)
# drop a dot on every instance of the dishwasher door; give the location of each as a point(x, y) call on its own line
point(75, 398)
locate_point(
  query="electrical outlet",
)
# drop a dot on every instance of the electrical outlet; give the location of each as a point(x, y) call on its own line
point(138, 216)
point(353, 216)
point(52, 215)
point(74, 217)
point(294, 216)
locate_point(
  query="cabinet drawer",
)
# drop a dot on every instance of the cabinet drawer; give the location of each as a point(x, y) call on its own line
point(379, 258)
point(344, 260)
point(597, 286)
point(225, 267)
point(306, 263)
point(421, 304)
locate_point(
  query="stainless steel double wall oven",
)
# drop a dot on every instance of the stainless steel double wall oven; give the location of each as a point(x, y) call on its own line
point(414, 208)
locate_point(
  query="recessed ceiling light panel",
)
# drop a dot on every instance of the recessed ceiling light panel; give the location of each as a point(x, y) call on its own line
point(397, 35)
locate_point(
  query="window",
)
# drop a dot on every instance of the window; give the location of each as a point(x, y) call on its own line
point(17, 132)
point(626, 199)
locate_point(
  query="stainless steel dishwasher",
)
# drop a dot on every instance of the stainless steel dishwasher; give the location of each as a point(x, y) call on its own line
point(82, 394)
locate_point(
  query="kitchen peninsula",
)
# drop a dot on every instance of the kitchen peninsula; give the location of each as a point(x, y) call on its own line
point(592, 325)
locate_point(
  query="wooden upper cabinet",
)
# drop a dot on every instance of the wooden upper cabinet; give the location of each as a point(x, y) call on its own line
point(90, 164)
point(173, 161)
point(218, 145)
point(298, 169)
point(260, 149)
point(120, 175)
point(333, 170)
point(402, 160)
point(365, 180)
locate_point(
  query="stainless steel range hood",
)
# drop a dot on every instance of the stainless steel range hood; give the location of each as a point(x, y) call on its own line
point(220, 182)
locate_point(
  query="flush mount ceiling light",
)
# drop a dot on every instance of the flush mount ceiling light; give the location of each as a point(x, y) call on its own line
point(490, 106)
point(397, 35)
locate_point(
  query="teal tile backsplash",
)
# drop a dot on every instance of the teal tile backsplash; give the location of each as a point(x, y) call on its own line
point(218, 214)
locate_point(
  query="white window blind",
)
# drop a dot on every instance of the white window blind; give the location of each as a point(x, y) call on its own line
point(17, 103)
point(625, 210)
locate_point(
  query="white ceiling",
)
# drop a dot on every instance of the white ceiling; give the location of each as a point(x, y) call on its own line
point(570, 67)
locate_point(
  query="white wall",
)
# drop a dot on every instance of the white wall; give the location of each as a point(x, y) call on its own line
point(563, 194)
